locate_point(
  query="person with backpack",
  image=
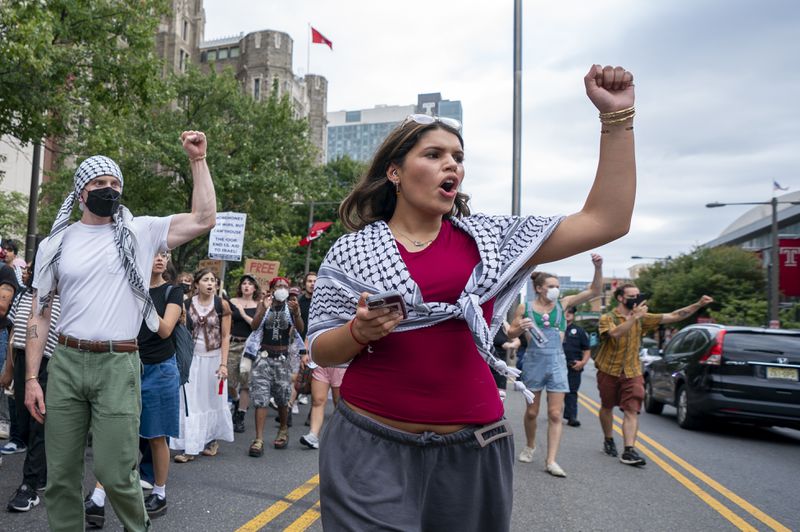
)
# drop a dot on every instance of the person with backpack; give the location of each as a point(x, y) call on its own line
point(205, 417)
point(274, 327)
point(160, 393)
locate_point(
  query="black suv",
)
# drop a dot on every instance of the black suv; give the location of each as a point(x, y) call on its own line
point(744, 374)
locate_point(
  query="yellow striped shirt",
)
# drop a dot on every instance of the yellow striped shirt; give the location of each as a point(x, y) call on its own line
point(618, 356)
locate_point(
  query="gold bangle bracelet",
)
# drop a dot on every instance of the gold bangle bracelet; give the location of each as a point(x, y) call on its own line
point(200, 158)
point(614, 114)
point(31, 377)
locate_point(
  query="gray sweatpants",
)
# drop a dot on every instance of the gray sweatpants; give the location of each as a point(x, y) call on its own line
point(375, 477)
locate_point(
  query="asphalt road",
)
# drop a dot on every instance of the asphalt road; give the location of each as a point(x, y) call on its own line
point(722, 478)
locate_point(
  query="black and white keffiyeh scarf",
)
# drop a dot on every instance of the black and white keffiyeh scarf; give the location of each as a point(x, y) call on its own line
point(369, 261)
point(124, 238)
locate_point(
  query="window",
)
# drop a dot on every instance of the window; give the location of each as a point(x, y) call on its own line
point(676, 344)
point(203, 57)
point(211, 55)
point(352, 116)
point(234, 52)
point(185, 31)
point(182, 61)
point(222, 53)
point(257, 89)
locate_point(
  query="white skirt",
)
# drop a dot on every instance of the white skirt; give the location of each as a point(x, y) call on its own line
point(209, 417)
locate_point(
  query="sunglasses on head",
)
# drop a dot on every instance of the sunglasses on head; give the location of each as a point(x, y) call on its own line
point(425, 120)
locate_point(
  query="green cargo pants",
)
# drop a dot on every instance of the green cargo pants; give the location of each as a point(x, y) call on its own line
point(100, 391)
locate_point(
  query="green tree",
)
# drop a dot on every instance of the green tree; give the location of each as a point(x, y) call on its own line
point(60, 58)
point(730, 275)
point(13, 215)
point(259, 154)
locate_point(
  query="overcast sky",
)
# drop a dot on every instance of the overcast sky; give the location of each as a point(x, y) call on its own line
point(717, 88)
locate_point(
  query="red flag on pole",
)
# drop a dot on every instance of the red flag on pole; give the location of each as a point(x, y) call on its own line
point(318, 38)
point(316, 231)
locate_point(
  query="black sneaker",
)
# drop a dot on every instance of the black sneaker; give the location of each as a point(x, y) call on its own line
point(609, 447)
point(23, 500)
point(631, 457)
point(95, 515)
point(574, 422)
point(238, 421)
point(156, 506)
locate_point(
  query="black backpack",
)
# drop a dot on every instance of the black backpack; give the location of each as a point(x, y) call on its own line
point(184, 346)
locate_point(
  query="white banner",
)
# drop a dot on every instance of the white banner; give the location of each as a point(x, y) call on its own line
point(226, 240)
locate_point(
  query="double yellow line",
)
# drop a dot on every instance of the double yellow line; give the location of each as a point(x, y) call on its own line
point(649, 450)
point(301, 523)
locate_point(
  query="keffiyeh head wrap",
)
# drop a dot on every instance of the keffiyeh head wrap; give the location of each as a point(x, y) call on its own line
point(369, 261)
point(50, 249)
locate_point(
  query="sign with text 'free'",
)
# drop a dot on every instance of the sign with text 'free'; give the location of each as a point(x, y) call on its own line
point(262, 271)
point(226, 240)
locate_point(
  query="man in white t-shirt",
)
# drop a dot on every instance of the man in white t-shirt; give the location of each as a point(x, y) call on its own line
point(99, 266)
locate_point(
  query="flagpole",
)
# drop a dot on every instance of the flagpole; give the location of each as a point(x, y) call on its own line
point(308, 51)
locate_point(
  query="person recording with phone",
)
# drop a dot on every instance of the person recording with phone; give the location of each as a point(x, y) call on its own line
point(619, 372)
point(418, 440)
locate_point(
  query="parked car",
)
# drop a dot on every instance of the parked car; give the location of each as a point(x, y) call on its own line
point(742, 374)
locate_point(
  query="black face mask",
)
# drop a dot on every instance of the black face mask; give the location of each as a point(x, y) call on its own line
point(103, 201)
point(186, 288)
point(631, 302)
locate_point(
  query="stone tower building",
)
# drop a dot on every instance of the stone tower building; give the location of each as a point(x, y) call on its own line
point(260, 60)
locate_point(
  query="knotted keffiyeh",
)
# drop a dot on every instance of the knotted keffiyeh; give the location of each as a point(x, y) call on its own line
point(369, 261)
point(124, 238)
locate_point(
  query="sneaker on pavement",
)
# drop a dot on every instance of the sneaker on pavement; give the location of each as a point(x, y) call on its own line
point(302, 399)
point(609, 447)
point(23, 500)
point(156, 506)
point(631, 457)
point(555, 470)
point(13, 448)
point(310, 440)
point(94, 515)
point(573, 422)
point(527, 455)
point(295, 409)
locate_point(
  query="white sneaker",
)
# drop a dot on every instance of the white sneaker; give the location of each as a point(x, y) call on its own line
point(145, 485)
point(3, 430)
point(302, 399)
point(310, 440)
point(555, 470)
point(295, 409)
point(527, 455)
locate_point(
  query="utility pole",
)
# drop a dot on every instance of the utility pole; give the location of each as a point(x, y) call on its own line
point(515, 164)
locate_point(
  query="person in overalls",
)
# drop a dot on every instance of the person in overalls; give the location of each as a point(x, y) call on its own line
point(545, 367)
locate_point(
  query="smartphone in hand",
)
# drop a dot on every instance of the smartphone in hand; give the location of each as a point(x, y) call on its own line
point(392, 300)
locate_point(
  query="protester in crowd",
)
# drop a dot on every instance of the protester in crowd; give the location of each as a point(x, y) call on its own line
point(34, 469)
point(297, 350)
point(9, 289)
point(185, 281)
point(420, 418)
point(619, 372)
point(205, 417)
point(274, 327)
point(577, 353)
point(304, 300)
point(10, 249)
point(98, 266)
point(243, 309)
point(545, 367)
point(160, 396)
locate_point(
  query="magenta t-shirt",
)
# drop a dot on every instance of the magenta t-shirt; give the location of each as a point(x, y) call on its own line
point(432, 375)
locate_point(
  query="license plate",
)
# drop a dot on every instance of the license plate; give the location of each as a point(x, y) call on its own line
point(782, 373)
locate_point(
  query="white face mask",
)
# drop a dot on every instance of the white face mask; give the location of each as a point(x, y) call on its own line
point(552, 293)
point(281, 294)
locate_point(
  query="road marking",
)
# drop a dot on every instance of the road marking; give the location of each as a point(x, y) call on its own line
point(731, 496)
point(306, 520)
point(280, 506)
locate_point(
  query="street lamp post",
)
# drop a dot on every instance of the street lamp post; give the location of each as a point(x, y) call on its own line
point(774, 261)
